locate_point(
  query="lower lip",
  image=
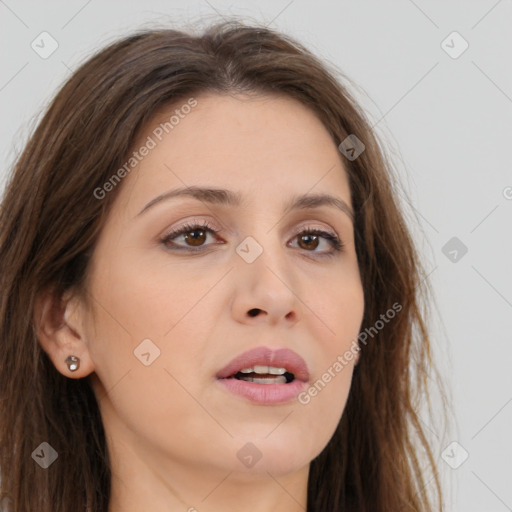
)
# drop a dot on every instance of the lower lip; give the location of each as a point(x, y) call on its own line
point(264, 394)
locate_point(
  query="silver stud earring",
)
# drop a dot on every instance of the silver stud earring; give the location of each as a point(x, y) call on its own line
point(73, 363)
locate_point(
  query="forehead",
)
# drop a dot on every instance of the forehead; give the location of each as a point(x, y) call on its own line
point(260, 145)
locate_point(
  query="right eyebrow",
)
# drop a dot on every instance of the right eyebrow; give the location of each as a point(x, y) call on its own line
point(204, 194)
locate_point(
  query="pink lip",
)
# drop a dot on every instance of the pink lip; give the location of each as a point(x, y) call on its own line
point(266, 394)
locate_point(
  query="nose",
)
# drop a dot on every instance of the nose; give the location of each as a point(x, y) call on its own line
point(264, 291)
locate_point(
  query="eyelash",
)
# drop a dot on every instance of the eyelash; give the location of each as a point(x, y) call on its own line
point(335, 242)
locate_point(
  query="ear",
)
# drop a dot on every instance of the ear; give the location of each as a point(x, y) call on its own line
point(59, 326)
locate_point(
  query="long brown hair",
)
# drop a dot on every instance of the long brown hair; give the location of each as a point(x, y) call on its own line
point(50, 219)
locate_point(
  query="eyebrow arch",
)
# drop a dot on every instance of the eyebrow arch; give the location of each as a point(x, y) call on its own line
point(230, 198)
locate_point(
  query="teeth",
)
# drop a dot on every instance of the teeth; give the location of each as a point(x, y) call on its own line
point(272, 370)
point(280, 379)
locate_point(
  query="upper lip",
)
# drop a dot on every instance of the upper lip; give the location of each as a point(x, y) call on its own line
point(281, 358)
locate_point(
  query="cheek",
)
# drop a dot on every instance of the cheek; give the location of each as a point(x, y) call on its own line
point(145, 319)
point(147, 299)
point(339, 307)
point(142, 322)
point(325, 399)
point(151, 406)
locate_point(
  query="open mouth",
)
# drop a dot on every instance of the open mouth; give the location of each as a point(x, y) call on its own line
point(264, 375)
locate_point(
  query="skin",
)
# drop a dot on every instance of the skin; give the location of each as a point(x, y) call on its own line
point(173, 432)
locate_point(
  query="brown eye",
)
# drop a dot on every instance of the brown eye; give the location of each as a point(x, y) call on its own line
point(307, 241)
point(311, 239)
point(191, 236)
point(198, 237)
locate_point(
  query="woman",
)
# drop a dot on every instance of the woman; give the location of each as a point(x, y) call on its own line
point(210, 299)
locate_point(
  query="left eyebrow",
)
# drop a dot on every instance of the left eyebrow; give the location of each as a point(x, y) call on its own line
point(311, 201)
point(229, 198)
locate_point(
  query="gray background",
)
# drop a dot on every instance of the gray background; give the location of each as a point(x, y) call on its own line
point(446, 125)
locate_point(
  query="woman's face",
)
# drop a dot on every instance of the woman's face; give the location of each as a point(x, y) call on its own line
point(169, 316)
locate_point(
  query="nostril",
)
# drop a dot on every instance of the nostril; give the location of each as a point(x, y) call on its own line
point(254, 312)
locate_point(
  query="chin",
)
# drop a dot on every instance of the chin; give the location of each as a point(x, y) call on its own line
point(279, 455)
